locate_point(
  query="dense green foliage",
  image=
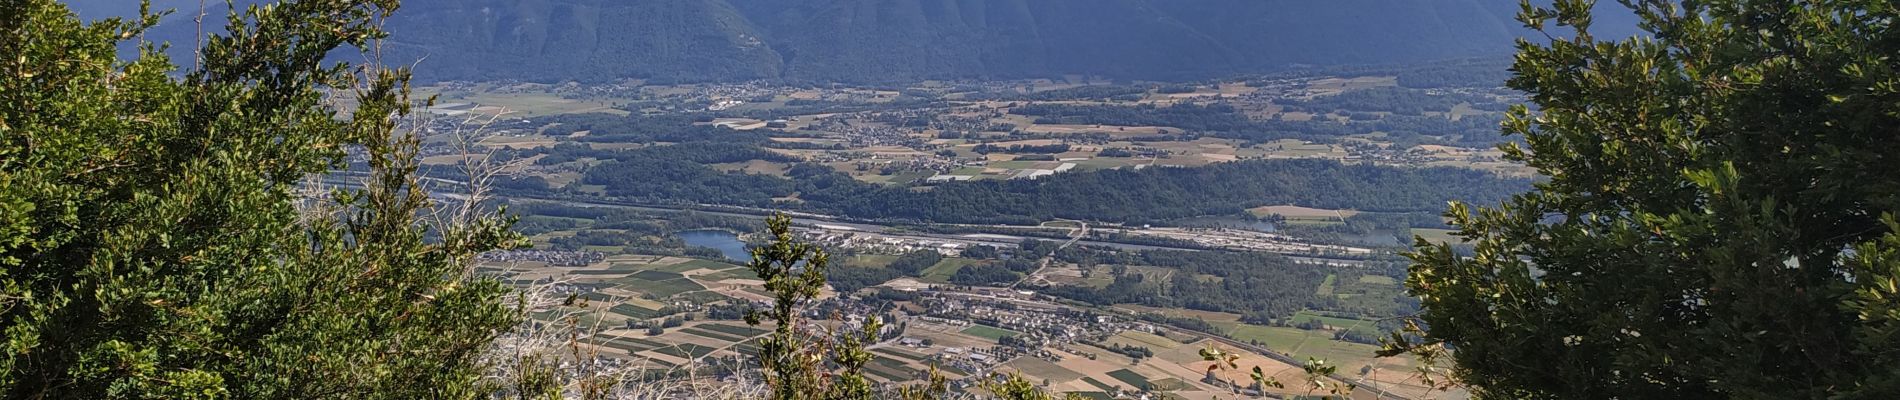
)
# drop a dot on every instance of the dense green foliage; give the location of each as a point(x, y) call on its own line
point(676, 174)
point(914, 263)
point(1263, 286)
point(673, 173)
point(850, 278)
point(802, 362)
point(1481, 73)
point(853, 277)
point(985, 274)
point(1719, 220)
point(540, 217)
point(981, 252)
point(154, 242)
point(798, 362)
point(1135, 352)
point(1154, 194)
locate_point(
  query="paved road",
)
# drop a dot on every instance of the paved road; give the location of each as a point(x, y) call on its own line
point(1081, 231)
point(839, 223)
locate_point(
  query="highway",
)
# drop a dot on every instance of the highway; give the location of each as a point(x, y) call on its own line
point(884, 229)
point(829, 222)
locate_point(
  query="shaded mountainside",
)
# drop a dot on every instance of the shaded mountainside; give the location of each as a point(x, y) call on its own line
point(905, 40)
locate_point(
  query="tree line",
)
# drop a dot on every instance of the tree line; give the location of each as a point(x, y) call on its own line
point(1396, 100)
point(1262, 284)
point(676, 174)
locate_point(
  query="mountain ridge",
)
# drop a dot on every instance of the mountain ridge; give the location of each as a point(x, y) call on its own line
point(876, 41)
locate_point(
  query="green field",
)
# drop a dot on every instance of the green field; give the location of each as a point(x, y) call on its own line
point(1092, 381)
point(597, 296)
point(1278, 338)
point(633, 311)
point(1326, 288)
point(941, 272)
point(1156, 341)
point(685, 350)
point(1210, 316)
point(988, 332)
point(948, 368)
point(680, 267)
point(888, 375)
point(624, 266)
point(890, 352)
point(893, 364)
point(630, 345)
point(1436, 235)
point(652, 275)
point(701, 263)
point(1040, 368)
point(1303, 343)
point(527, 104)
point(1133, 379)
point(1374, 293)
point(870, 260)
point(703, 297)
point(724, 274)
point(748, 348)
point(733, 329)
point(661, 288)
point(890, 369)
point(1378, 280)
point(1364, 326)
point(712, 335)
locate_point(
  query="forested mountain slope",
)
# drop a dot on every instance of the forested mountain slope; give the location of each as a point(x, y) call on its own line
point(903, 40)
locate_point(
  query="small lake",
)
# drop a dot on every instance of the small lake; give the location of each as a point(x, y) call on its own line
point(726, 242)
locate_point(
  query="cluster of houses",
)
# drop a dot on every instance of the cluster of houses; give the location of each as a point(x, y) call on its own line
point(879, 244)
point(557, 258)
point(860, 135)
point(1039, 324)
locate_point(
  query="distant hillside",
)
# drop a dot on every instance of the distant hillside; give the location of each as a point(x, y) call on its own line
point(903, 40)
